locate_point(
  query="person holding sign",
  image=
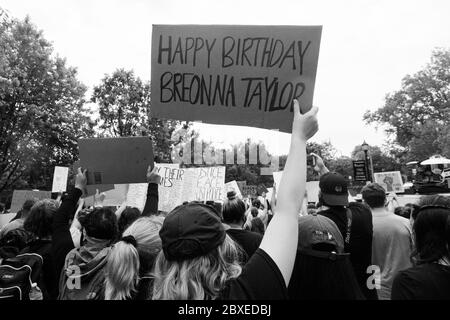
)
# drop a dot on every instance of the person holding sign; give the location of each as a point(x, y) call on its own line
point(205, 261)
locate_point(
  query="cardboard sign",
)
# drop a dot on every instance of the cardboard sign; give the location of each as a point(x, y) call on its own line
point(205, 184)
point(116, 160)
point(171, 185)
point(250, 191)
point(235, 75)
point(360, 170)
point(114, 197)
point(390, 181)
point(189, 184)
point(137, 195)
point(60, 179)
point(312, 190)
point(6, 218)
point(241, 185)
point(233, 186)
point(20, 196)
point(91, 189)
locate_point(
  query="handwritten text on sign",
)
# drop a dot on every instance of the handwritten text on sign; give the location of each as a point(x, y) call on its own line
point(240, 75)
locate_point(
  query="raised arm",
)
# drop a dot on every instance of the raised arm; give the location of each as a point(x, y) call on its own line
point(151, 203)
point(61, 237)
point(281, 237)
point(320, 165)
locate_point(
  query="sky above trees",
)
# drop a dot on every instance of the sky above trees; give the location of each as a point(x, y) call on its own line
point(367, 48)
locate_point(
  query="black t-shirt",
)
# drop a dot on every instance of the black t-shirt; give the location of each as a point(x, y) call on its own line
point(430, 281)
point(248, 286)
point(360, 247)
point(248, 240)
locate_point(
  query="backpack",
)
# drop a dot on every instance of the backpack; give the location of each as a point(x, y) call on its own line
point(83, 286)
point(13, 242)
point(18, 274)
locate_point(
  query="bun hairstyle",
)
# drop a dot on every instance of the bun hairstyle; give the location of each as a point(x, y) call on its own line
point(231, 195)
point(132, 257)
point(233, 209)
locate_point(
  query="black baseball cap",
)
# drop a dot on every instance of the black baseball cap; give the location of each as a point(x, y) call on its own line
point(191, 230)
point(333, 188)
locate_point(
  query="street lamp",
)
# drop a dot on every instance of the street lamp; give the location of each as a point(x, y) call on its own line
point(365, 148)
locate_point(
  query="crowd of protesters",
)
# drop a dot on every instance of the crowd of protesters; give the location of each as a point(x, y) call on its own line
point(278, 248)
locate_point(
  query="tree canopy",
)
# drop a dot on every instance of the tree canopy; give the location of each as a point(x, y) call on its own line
point(419, 109)
point(125, 107)
point(41, 106)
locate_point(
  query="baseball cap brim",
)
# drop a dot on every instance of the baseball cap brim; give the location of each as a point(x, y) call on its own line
point(335, 200)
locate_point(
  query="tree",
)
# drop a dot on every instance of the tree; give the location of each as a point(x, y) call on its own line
point(343, 165)
point(422, 102)
point(124, 107)
point(381, 161)
point(41, 107)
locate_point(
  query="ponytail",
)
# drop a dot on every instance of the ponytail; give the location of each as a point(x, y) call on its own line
point(122, 271)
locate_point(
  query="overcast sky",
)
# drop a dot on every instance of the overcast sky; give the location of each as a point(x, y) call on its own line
point(367, 47)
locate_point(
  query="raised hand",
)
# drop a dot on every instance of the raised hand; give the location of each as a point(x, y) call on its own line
point(304, 126)
point(81, 180)
point(320, 165)
point(153, 176)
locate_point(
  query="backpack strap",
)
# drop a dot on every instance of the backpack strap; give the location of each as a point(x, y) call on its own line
point(349, 226)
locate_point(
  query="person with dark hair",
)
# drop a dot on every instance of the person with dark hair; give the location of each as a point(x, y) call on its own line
point(353, 219)
point(18, 221)
point(428, 201)
point(39, 223)
point(262, 211)
point(322, 270)
point(430, 278)
point(256, 223)
point(391, 243)
point(233, 212)
point(127, 217)
point(83, 267)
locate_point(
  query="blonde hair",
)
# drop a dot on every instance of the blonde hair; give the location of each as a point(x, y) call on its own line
point(123, 263)
point(201, 278)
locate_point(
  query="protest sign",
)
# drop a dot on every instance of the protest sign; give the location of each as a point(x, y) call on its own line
point(91, 189)
point(60, 179)
point(110, 198)
point(360, 170)
point(235, 75)
point(20, 196)
point(390, 181)
point(250, 191)
point(6, 218)
point(312, 190)
point(137, 195)
point(241, 185)
point(204, 184)
point(171, 185)
point(116, 160)
point(233, 186)
point(261, 188)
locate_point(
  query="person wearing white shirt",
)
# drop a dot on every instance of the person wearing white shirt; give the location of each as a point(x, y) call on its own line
point(392, 239)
